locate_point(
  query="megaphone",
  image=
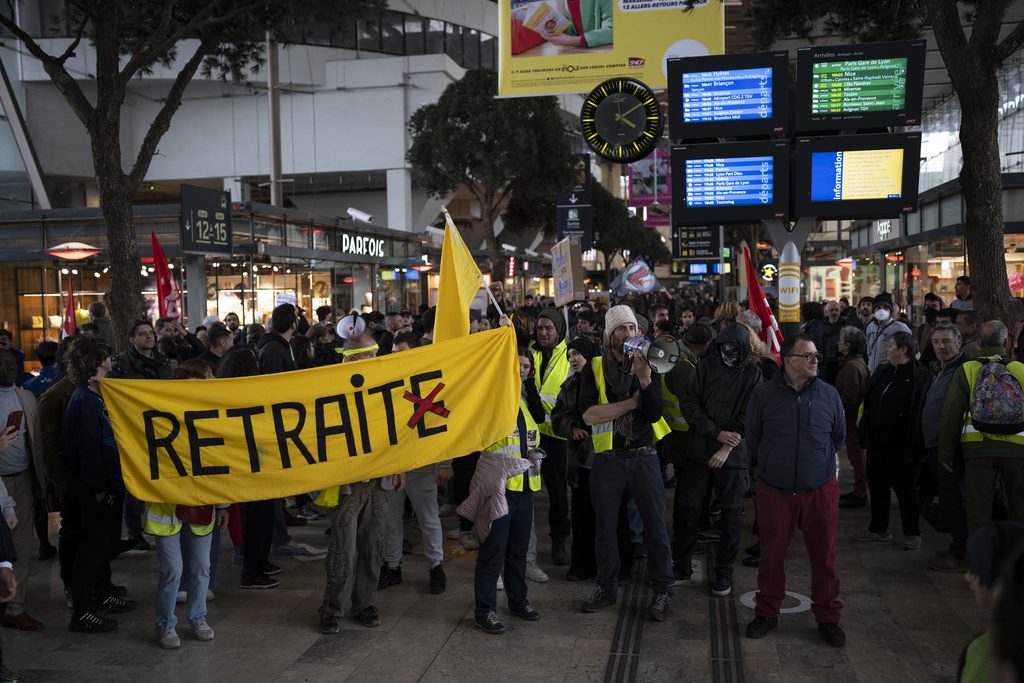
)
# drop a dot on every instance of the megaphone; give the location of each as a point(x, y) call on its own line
point(662, 354)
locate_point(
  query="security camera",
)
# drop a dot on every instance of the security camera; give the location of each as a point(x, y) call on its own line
point(357, 215)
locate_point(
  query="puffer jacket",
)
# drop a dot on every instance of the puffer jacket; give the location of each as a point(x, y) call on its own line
point(878, 337)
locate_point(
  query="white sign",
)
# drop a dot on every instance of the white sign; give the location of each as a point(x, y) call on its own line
point(358, 245)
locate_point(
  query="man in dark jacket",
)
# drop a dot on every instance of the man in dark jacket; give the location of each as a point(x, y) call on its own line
point(715, 406)
point(275, 346)
point(795, 428)
point(825, 333)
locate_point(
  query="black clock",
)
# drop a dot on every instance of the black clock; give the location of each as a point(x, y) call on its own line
point(621, 120)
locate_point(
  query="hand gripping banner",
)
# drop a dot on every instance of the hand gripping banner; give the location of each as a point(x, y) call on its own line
point(198, 442)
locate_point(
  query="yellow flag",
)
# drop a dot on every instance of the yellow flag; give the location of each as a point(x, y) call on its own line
point(459, 282)
point(255, 438)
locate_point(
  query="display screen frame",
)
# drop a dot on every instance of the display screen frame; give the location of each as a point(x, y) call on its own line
point(911, 50)
point(713, 215)
point(910, 143)
point(778, 122)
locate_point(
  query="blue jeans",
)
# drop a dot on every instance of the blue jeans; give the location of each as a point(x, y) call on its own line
point(614, 473)
point(169, 552)
point(506, 547)
point(186, 574)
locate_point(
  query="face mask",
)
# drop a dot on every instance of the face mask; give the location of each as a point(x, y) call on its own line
point(730, 357)
point(882, 314)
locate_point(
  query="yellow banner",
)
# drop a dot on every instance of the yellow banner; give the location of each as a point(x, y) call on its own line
point(544, 49)
point(198, 442)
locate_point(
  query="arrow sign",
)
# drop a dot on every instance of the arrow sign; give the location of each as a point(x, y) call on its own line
point(572, 198)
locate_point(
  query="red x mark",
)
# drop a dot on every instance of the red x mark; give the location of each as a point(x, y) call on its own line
point(425, 404)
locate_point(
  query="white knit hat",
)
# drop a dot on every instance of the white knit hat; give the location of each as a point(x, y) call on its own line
point(617, 316)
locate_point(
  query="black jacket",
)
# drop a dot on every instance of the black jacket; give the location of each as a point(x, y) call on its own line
point(275, 354)
point(716, 400)
point(133, 365)
point(910, 441)
point(91, 458)
point(564, 416)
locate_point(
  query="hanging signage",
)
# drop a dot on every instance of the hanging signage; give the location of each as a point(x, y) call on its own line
point(702, 243)
point(573, 209)
point(205, 221)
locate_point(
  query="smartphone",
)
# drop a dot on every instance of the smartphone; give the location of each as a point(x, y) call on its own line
point(14, 420)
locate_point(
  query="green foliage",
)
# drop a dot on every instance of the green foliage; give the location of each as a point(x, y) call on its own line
point(862, 21)
point(616, 231)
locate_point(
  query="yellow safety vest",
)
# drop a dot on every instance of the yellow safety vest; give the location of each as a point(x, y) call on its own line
point(510, 446)
point(604, 432)
point(969, 434)
point(673, 412)
point(162, 520)
point(548, 386)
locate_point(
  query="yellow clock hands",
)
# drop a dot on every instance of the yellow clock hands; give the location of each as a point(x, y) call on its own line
point(621, 118)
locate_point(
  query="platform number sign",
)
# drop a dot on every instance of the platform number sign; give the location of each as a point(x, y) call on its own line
point(205, 220)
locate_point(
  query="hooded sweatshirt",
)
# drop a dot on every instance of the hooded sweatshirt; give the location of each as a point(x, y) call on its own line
point(275, 354)
point(716, 398)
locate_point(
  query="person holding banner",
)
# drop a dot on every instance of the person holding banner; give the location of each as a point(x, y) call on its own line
point(355, 554)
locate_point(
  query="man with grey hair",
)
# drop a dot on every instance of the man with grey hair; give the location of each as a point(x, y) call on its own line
point(825, 333)
point(945, 340)
point(988, 455)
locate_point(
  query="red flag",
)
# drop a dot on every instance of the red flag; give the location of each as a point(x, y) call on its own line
point(771, 335)
point(166, 288)
point(69, 328)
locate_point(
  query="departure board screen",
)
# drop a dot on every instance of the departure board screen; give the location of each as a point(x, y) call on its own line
point(727, 95)
point(729, 181)
point(856, 174)
point(862, 85)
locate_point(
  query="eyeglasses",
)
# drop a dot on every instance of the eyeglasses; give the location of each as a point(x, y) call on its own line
point(809, 357)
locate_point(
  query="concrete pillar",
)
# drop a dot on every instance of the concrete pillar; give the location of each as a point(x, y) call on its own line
point(400, 199)
point(195, 294)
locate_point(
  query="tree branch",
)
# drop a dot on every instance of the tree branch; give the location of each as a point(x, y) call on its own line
point(1010, 44)
point(985, 29)
point(68, 53)
point(162, 121)
point(66, 85)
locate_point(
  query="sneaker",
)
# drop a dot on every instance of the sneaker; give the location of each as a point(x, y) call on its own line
point(525, 611)
point(558, 554)
point(489, 623)
point(291, 520)
point(309, 512)
point(368, 617)
point(912, 543)
point(501, 584)
point(201, 630)
point(722, 586)
point(389, 577)
point(330, 623)
point(948, 564)
point(92, 622)
point(468, 540)
point(681, 576)
point(832, 634)
point(446, 510)
point(709, 535)
point(8, 676)
point(869, 536)
point(116, 605)
point(181, 598)
point(210, 595)
point(598, 600)
point(258, 582)
point(751, 561)
point(134, 544)
point(659, 606)
point(167, 637)
point(289, 549)
point(454, 535)
point(853, 502)
point(535, 573)
point(271, 569)
point(760, 626)
point(438, 581)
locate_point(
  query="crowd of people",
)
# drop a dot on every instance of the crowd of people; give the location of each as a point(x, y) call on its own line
point(934, 415)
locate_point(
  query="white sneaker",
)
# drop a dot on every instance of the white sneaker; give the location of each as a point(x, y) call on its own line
point(469, 541)
point(501, 584)
point(453, 535)
point(870, 536)
point(201, 629)
point(535, 573)
point(167, 637)
point(912, 543)
point(182, 597)
point(209, 595)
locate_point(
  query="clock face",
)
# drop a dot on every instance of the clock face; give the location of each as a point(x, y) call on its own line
point(621, 120)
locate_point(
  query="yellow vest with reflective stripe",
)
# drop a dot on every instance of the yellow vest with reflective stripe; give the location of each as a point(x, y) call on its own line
point(162, 520)
point(555, 375)
point(673, 411)
point(604, 432)
point(969, 434)
point(510, 446)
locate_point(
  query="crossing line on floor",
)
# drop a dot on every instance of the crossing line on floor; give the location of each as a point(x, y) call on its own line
point(624, 656)
point(724, 630)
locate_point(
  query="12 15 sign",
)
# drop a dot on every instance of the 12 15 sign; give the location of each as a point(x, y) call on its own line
point(205, 220)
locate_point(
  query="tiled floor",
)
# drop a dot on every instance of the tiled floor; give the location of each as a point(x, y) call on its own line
point(904, 623)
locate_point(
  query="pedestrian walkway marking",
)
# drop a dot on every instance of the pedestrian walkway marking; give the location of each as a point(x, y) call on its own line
point(803, 602)
point(624, 656)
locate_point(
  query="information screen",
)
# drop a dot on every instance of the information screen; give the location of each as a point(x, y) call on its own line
point(729, 181)
point(729, 95)
point(856, 174)
point(862, 85)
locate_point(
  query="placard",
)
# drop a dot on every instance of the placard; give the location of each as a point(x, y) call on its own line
point(205, 221)
point(567, 272)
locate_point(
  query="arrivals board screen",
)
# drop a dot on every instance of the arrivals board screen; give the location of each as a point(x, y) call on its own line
point(846, 87)
point(735, 181)
point(728, 95)
point(857, 176)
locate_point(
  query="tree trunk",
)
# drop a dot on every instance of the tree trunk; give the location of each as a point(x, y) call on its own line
point(493, 247)
point(981, 184)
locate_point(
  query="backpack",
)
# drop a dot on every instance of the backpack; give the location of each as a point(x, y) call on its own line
point(997, 402)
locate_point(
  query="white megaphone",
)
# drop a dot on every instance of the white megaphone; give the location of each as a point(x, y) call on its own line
point(662, 353)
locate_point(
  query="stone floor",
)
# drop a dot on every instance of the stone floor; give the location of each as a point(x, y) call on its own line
point(904, 623)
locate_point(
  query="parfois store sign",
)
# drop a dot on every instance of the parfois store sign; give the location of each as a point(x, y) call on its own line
point(359, 245)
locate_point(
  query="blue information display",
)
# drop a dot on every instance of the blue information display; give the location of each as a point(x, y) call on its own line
point(727, 95)
point(730, 181)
